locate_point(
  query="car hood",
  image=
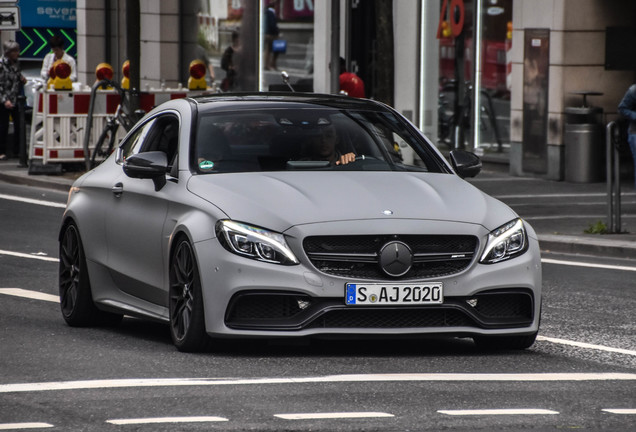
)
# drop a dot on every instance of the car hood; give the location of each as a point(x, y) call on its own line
point(280, 200)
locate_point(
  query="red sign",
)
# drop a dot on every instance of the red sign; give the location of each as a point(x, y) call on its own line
point(297, 9)
point(456, 15)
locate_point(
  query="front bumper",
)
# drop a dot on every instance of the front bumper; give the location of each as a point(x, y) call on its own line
point(248, 298)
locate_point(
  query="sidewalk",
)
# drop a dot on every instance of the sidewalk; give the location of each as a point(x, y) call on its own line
point(557, 232)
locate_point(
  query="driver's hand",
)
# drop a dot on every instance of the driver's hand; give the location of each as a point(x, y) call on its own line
point(346, 158)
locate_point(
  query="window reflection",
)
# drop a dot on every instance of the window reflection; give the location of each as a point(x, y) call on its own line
point(242, 60)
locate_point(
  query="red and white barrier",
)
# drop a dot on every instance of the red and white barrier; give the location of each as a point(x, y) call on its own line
point(60, 120)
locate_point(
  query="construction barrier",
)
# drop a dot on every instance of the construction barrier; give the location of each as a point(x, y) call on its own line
point(60, 119)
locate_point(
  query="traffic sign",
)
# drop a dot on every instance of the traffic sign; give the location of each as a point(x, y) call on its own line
point(9, 17)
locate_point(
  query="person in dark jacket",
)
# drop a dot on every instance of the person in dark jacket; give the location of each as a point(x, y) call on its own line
point(627, 108)
point(11, 82)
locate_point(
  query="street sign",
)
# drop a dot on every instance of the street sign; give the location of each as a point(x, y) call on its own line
point(9, 18)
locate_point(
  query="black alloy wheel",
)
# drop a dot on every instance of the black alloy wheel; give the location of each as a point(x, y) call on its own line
point(187, 318)
point(76, 299)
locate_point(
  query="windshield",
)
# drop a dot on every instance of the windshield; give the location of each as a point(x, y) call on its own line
point(309, 139)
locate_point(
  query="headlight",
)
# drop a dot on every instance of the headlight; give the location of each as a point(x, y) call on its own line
point(507, 241)
point(254, 242)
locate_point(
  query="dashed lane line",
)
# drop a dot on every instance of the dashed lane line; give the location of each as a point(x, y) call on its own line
point(589, 265)
point(586, 345)
point(21, 426)
point(159, 420)
point(37, 256)
point(34, 295)
point(32, 201)
point(628, 411)
point(333, 415)
point(508, 411)
point(354, 378)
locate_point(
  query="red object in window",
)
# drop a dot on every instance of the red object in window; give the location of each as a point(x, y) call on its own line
point(352, 84)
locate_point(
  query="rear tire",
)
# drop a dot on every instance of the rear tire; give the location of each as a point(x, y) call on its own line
point(76, 299)
point(187, 317)
point(505, 342)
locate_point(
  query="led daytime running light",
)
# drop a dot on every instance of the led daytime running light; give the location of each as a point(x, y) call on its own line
point(500, 236)
point(260, 237)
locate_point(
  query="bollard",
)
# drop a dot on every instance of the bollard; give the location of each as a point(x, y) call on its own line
point(22, 132)
point(613, 175)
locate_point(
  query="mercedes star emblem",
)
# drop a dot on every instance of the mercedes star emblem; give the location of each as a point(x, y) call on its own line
point(396, 259)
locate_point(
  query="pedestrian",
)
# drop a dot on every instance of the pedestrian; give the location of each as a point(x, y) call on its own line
point(271, 33)
point(11, 82)
point(56, 43)
point(228, 63)
point(627, 108)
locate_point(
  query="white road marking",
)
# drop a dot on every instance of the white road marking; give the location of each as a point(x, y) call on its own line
point(37, 255)
point(20, 426)
point(32, 201)
point(35, 295)
point(513, 411)
point(589, 265)
point(561, 195)
point(573, 216)
point(628, 411)
point(415, 377)
point(586, 345)
point(139, 421)
point(334, 415)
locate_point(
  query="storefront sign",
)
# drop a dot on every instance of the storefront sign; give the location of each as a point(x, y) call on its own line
point(48, 13)
point(456, 16)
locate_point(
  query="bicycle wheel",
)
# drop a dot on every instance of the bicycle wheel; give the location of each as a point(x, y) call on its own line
point(108, 133)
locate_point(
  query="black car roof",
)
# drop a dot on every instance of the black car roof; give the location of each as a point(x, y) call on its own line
point(261, 99)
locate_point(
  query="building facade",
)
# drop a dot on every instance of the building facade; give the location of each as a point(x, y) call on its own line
point(533, 59)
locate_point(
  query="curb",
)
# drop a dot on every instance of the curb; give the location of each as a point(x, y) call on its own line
point(611, 248)
point(59, 184)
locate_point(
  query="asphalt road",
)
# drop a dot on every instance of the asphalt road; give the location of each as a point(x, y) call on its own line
point(581, 373)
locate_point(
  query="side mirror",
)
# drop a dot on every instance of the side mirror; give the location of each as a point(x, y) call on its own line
point(149, 165)
point(465, 164)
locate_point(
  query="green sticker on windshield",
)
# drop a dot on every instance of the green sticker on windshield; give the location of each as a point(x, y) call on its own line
point(206, 165)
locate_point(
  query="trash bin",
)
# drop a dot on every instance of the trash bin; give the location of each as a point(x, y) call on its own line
point(584, 151)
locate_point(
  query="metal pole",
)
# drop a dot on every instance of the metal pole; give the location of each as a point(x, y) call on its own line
point(617, 189)
point(613, 176)
point(335, 46)
point(609, 164)
point(22, 132)
point(477, 74)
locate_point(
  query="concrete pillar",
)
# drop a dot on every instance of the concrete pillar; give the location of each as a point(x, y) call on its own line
point(577, 63)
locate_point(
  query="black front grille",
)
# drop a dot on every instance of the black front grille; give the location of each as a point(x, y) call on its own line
point(393, 318)
point(358, 256)
point(270, 306)
point(503, 304)
point(509, 308)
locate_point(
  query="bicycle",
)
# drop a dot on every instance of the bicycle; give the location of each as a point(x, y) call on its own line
point(123, 117)
point(452, 127)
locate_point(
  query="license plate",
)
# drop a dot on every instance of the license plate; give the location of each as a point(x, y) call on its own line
point(365, 294)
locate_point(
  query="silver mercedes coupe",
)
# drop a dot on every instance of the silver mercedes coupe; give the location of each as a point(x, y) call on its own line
point(272, 215)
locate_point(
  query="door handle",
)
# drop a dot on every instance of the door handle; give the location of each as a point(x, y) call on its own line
point(118, 189)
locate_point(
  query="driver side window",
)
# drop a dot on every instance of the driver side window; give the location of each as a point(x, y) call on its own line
point(132, 144)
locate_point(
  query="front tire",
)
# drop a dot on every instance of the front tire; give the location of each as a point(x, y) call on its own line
point(187, 317)
point(76, 299)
